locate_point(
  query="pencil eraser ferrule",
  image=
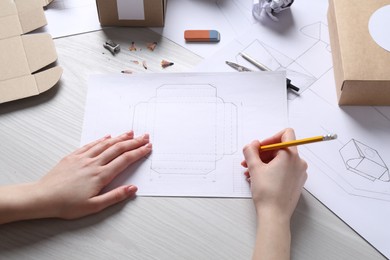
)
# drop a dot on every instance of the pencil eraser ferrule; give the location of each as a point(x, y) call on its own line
point(202, 36)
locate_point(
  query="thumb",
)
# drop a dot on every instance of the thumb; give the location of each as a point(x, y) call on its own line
point(107, 199)
point(252, 154)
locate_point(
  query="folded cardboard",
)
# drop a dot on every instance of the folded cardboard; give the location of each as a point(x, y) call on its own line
point(46, 2)
point(24, 59)
point(131, 12)
point(361, 66)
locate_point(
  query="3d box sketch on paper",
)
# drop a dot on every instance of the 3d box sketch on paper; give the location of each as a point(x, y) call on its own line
point(364, 161)
point(357, 162)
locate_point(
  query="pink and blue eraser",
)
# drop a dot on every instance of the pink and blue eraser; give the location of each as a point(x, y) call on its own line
point(202, 36)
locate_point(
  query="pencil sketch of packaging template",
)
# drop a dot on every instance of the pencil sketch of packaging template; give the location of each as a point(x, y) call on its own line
point(364, 161)
point(303, 70)
point(172, 114)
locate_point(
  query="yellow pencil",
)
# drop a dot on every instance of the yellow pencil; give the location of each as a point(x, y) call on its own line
point(298, 142)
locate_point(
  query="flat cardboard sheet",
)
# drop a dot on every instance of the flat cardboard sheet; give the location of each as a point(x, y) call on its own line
point(46, 2)
point(21, 56)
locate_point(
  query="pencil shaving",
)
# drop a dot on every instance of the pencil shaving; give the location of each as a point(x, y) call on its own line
point(126, 72)
point(132, 47)
point(165, 63)
point(135, 62)
point(151, 46)
point(144, 65)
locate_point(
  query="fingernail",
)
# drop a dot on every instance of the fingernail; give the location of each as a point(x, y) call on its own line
point(107, 136)
point(148, 145)
point(130, 133)
point(132, 189)
point(145, 136)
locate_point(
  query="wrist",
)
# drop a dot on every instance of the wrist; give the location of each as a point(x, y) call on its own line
point(273, 216)
point(21, 202)
point(273, 237)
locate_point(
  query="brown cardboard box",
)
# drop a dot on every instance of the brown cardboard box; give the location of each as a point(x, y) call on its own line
point(24, 58)
point(361, 66)
point(131, 12)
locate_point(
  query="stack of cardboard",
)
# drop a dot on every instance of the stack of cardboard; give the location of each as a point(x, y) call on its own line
point(25, 59)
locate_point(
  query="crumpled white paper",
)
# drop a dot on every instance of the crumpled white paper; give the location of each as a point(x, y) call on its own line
point(268, 8)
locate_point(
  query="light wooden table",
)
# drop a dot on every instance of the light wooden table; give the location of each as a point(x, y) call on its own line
point(35, 133)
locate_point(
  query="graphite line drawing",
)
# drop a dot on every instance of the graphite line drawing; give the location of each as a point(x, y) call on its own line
point(364, 161)
point(165, 117)
point(352, 184)
point(357, 162)
point(300, 69)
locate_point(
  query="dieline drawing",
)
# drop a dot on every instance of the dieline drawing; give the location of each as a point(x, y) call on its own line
point(215, 122)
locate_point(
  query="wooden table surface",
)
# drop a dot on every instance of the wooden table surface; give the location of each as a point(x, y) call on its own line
point(35, 133)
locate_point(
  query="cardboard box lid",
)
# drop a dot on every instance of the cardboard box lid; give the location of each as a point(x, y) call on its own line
point(360, 56)
point(24, 59)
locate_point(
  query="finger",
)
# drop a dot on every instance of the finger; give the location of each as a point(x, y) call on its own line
point(282, 136)
point(247, 177)
point(289, 135)
point(244, 164)
point(90, 145)
point(251, 154)
point(119, 164)
point(121, 147)
point(104, 145)
point(107, 199)
point(277, 138)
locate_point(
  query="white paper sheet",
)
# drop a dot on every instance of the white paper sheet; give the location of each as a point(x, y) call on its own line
point(69, 17)
point(229, 17)
point(294, 44)
point(351, 174)
point(198, 125)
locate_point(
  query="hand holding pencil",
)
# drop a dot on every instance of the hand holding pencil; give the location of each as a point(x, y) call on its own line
point(276, 180)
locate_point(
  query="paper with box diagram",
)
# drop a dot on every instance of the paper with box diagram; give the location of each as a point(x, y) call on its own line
point(349, 175)
point(198, 124)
